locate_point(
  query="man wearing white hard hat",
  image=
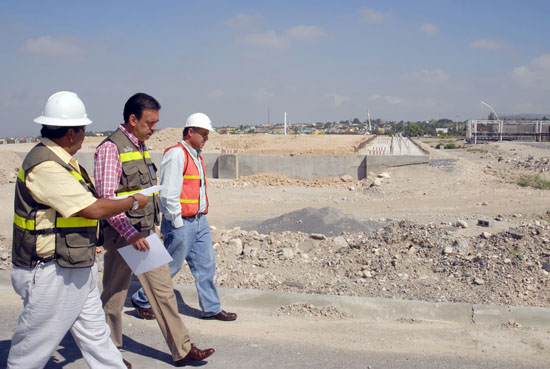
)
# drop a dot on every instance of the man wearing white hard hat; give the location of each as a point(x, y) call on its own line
point(184, 204)
point(55, 233)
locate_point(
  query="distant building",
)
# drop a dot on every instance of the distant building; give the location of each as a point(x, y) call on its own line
point(507, 130)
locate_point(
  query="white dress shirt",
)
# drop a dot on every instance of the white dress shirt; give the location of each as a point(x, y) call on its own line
point(171, 175)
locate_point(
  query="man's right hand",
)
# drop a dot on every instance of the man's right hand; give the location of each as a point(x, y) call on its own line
point(142, 199)
point(139, 242)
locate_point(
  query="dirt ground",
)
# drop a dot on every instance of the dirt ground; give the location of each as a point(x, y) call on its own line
point(421, 239)
point(414, 234)
point(258, 144)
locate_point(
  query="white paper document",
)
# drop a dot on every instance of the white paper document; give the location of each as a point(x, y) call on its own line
point(146, 192)
point(144, 261)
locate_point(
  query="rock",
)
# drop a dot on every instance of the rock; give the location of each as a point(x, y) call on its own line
point(377, 182)
point(448, 250)
point(546, 266)
point(287, 253)
point(250, 251)
point(340, 242)
point(461, 224)
point(235, 246)
point(384, 175)
point(346, 178)
point(294, 284)
point(478, 281)
point(486, 235)
point(463, 246)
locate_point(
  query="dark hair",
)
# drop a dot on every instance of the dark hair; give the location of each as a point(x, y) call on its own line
point(185, 130)
point(137, 103)
point(55, 132)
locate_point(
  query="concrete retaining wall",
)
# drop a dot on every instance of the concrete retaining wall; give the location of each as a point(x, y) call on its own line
point(231, 166)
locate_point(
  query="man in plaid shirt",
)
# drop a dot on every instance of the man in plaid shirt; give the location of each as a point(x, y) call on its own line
point(123, 166)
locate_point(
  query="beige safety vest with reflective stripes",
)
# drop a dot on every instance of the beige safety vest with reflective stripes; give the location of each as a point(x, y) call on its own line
point(75, 237)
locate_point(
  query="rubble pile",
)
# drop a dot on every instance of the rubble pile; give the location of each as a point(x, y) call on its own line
point(532, 163)
point(402, 260)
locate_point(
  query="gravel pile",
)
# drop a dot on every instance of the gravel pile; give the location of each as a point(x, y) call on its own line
point(327, 221)
point(403, 260)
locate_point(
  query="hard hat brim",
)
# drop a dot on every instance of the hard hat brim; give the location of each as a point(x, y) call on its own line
point(210, 128)
point(47, 121)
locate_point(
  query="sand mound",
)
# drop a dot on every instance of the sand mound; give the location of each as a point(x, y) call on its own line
point(9, 165)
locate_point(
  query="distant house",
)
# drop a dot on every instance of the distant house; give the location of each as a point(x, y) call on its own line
point(442, 130)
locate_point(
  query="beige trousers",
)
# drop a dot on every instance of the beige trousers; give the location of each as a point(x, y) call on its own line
point(159, 288)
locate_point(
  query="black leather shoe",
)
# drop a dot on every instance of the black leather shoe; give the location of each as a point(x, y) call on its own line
point(223, 316)
point(196, 354)
point(143, 313)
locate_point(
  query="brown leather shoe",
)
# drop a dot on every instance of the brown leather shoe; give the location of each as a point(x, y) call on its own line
point(223, 316)
point(196, 354)
point(144, 313)
point(127, 363)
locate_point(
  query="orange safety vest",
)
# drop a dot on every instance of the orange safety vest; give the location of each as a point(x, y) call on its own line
point(190, 189)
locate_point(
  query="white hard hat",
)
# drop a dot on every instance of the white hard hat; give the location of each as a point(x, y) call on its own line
point(64, 109)
point(199, 120)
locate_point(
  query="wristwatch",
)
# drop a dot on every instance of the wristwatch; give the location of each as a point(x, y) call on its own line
point(135, 205)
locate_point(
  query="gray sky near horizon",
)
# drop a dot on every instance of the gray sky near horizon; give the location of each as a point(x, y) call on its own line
point(234, 60)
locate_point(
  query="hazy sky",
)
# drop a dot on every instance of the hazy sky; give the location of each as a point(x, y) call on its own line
point(316, 60)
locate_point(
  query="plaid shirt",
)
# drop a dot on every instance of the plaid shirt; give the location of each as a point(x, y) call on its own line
point(107, 173)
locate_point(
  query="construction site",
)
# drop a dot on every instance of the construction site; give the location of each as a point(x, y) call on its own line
point(479, 131)
point(360, 217)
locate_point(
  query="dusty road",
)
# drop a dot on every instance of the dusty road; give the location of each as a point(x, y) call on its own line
point(261, 338)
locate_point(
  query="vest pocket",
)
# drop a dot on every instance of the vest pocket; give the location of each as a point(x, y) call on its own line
point(131, 174)
point(79, 250)
point(144, 176)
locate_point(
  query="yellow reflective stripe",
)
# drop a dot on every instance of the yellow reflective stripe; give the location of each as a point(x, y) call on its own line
point(134, 155)
point(21, 174)
point(72, 222)
point(132, 192)
point(75, 222)
point(191, 177)
point(189, 201)
point(129, 156)
point(76, 175)
point(23, 223)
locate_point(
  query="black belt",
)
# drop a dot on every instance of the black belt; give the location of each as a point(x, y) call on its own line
point(196, 216)
point(46, 260)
